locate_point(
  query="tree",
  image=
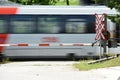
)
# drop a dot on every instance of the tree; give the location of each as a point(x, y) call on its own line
point(37, 2)
point(67, 2)
point(114, 4)
point(115, 18)
point(111, 4)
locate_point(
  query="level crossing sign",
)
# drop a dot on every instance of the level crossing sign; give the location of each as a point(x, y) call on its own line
point(100, 26)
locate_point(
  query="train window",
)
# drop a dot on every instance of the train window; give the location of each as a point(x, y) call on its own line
point(48, 25)
point(75, 26)
point(79, 24)
point(52, 24)
point(2, 26)
point(22, 24)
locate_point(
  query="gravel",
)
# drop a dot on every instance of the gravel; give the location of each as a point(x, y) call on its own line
point(54, 70)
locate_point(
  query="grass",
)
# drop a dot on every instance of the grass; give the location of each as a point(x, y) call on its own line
point(110, 63)
point(71, 2)
point(5, 60)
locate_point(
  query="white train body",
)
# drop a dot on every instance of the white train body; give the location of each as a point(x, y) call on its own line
point(52, 27)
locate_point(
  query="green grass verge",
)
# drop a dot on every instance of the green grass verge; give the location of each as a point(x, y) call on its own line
point(5, 60)
point(82, 65)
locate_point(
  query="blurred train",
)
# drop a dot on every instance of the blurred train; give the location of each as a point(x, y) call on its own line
point(42, 31)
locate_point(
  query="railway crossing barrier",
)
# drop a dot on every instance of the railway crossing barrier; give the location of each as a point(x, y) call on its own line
point(54, 44)
point(102, 59)
point(51, 44)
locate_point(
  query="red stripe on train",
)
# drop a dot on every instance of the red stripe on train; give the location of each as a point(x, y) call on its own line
point(8, 10)
point(3, 39)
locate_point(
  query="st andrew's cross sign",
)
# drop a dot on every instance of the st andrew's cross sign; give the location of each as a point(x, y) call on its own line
point(100, 26)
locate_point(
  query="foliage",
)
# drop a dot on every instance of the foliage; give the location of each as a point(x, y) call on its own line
point(71, 2)
point(99, 1)
point(116, 5)
point(5, 60)
point(111, 4)
point(84, 66)
point(37, 2)
point(115, 18)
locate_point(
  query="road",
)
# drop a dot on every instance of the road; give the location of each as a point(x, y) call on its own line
point(54, 70)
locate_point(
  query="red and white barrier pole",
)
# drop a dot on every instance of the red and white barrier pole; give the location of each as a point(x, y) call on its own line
point(51, 44)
